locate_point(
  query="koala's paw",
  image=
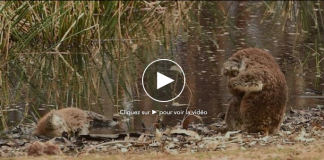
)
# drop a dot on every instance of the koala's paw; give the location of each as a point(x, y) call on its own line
point(251, 86)
point(233, 67)
point(230, 69)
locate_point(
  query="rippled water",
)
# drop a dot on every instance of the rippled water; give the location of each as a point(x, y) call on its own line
point(205, 46)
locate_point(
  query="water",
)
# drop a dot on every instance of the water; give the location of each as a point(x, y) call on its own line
point(207, 42)
point(205, 46)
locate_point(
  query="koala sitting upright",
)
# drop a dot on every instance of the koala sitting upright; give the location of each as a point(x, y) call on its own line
point(259, 90)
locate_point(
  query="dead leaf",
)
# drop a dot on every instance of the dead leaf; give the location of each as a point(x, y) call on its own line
point(176, 68)
point(301, 137)
point(229, 133)
point(177, 104)
point(212, 145)
point(186, 132)
point(167, 132)
point(189, 119)
point(141, 138)
point(134, 47)
point(158, 135)
point(124, 150)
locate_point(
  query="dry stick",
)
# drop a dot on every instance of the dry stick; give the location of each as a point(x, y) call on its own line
point(34, 117)
point(102, 144)
point(184, 117)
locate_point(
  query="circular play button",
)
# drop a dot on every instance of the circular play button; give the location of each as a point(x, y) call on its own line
point(163, 80)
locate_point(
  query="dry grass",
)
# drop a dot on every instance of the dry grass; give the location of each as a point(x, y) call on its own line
point(82, 54)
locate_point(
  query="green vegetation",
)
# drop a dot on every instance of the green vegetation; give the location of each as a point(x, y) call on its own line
point(308, 17)
point(69, 53)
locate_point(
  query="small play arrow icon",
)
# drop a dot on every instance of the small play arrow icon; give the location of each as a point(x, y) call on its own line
point(162, 80)
point(153, 111)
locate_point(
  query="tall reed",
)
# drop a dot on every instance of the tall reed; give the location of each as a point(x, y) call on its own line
point(77, 53)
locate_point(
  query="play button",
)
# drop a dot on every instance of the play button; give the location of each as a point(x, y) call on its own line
point(163, 80)
point(153, 111)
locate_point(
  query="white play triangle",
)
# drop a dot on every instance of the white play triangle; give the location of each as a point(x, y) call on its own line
point(162, 80)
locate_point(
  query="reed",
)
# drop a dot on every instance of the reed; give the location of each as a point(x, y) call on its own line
point(71, 53)
point(308, 17)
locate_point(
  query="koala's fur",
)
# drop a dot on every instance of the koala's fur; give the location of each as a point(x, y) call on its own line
point(259, 90)
point(70, 120)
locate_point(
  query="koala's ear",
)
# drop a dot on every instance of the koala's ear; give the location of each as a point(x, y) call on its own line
point(48, 120)
point(56, 118)
point(52, 118)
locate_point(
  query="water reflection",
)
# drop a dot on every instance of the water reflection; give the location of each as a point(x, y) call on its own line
point(208, 45)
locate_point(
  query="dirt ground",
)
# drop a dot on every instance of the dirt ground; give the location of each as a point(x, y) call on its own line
point(301, 137)
point(312, 151)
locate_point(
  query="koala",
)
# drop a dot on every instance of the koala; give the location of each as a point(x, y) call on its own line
point(58, 122)
point(259, 90)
